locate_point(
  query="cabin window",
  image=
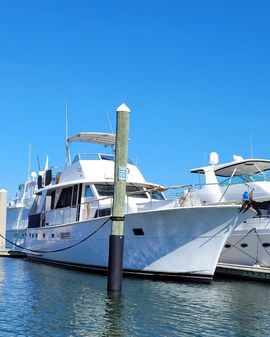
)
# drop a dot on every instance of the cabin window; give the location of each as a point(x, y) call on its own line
point(48, 203)
point(103, 212)
point(136, 191)
point(157, 195)
point(106, 190)
point(111, 157)
point(244, 245)
point(74, 196)
point(227, 245)
point(53, 199)
point(88, 193)
point(65, 198)
point(36, 205)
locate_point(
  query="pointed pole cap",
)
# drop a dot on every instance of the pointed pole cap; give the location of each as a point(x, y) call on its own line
point(123, 108)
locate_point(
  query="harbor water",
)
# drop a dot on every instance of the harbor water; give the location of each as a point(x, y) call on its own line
point(40, 300)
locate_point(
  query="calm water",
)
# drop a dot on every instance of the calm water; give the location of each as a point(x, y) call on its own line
point(40, 300)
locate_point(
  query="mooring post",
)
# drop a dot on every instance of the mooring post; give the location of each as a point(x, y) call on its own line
point(116, 243)
point(3, 217)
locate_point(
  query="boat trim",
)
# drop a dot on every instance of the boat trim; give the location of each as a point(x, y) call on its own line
point(126, 272)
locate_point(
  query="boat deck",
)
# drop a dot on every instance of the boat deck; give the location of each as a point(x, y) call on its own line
point(256, 273)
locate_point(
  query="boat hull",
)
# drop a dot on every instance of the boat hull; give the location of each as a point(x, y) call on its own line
point(182, 242)
point(17, 221)
point(249, 243)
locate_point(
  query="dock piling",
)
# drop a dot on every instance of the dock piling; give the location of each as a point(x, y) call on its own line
point(116, 243)
point(3, 217)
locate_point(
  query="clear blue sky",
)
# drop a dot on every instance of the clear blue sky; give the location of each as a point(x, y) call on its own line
point(196, 75)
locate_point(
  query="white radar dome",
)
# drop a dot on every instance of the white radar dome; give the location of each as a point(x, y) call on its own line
point(33, 175)
point(213, 158)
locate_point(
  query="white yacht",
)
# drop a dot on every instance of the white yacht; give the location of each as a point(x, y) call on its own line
point(234, 182)
point(18, 209)
point(69, 223)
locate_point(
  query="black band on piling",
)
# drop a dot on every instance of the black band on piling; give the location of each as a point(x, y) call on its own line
point(115, 272)
point(117, 218)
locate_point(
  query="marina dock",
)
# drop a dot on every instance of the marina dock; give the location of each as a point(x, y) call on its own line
point(256, 273)
point(8, 253)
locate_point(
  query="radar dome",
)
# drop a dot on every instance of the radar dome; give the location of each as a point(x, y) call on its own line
point(33, 175)
point(213, 158)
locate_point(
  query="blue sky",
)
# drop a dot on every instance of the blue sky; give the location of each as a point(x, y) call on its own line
point(195, 74)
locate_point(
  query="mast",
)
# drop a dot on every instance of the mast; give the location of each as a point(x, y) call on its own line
point(68, 161)
point(29, 162)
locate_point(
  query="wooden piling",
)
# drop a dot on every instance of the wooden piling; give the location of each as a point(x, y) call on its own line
point(3, 218)
point(116, 243)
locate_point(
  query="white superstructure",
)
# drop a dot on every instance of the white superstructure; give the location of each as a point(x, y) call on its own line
point(69, 222)
point(18, 209)
point(237, 181)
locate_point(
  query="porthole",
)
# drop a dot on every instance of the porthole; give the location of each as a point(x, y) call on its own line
point(138, 231)
point(266, 244)
point(244, 245)
point(227, 246)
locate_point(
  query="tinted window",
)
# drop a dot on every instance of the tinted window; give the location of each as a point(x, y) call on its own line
point(88, 193)
point(74, 197)
point(157, 195)
point(65, 198)
point(136, 191)
point(52, 199)
point(106, 190)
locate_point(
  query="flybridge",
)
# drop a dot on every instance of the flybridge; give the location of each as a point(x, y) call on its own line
point(97, 156)
point(106, 139)
point(102, 138)
point(237, 168)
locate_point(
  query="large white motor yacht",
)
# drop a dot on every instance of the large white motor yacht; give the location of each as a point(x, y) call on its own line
point(69, 223)
point(18, 210)
point(241, 180)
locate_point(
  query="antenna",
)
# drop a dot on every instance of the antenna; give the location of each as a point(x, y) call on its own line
point(46, 163)
point(67, 145)
point(29, 161)
point(109, 122)
point(38, 162)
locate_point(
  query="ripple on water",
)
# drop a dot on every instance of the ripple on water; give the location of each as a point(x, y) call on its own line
point(39, 300)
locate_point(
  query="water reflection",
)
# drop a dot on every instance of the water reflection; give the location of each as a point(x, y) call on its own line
point(113, 319)
point(40, 300)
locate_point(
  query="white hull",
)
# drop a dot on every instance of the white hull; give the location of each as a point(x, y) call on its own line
point(17, 221)
point(182, 242)
point(249, 244)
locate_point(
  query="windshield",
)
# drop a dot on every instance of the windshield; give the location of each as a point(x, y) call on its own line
point(246, 178)
point(106, 190)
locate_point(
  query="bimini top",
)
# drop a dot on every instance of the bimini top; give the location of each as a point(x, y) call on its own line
point(237, 168)
point(106, 139)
